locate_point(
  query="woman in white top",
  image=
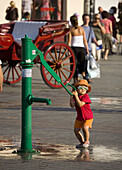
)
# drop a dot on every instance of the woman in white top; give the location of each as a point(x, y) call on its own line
point(1, 77)
point(78, 43)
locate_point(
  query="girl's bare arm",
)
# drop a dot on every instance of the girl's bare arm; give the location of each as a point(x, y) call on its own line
point(79, 103)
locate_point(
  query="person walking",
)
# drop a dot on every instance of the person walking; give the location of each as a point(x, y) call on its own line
point(90, 36)
point(81, 102)
point(119, 23)
point(107, 37)
point(12, 12)
point(1, 78)
point(45, 12)
point(99, 30)
point(111, 16)
point(78, 43)
point(100, 9)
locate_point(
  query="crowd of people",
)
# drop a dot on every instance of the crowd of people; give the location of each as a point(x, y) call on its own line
point(98, 40)
point(44, 10)
point(94, 39)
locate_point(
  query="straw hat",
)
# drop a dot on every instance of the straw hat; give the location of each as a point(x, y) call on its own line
point(85, 83)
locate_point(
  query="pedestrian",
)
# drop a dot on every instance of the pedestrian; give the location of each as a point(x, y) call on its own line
point(77, 15)
point(119, 24)
point(90, 38)
point(100, 9)
point(99, 30)
point(107, 37)
point(26, 16)
point(111, 16)
point(78, 42)
point(45, 12)
point(59, 10)
point(1, 78)
point(81, 102)
point(12, 12)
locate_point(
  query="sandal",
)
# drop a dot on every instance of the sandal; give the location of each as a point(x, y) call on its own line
point(86, 144)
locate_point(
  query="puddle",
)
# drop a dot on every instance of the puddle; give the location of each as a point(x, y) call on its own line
point(61, 152)
point(107, 100)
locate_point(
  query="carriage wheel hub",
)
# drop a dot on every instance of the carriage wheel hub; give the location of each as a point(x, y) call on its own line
point(58, 65)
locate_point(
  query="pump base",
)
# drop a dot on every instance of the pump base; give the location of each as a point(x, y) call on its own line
point(26, 151)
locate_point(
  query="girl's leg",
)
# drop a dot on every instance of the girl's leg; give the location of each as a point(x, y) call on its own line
point(106, 54)
point(86, 133)
point(79, 135)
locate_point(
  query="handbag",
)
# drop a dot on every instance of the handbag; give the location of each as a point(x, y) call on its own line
point(7, 17)
point(8, 11)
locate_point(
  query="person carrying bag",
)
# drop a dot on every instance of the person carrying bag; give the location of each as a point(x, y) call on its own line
point(90, 38)
point(11, 12)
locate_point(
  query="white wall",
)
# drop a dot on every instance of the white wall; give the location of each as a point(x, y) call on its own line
point(4, 4)
point(75, 6)
point(106, 5)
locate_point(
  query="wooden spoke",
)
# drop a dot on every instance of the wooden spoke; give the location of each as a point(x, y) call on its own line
point(64, 74)
point(13, 73)
point(66, 59)
point(64, 53)
point(60, 75)
point(17, 72)
point(60, 52)
point(67, 69)
point(52, 56)
point(56, 54)
point(68, 63)
point(6, 70)
point(8, 73)
point(50, 61)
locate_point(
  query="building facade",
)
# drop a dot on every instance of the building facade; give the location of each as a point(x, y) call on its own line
point(56, 9)
point(62, 9)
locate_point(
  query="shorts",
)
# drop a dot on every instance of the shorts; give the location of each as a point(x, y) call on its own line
point(80, 124)
point(107, 41)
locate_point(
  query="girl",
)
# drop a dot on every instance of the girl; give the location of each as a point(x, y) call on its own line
point(84, 119)
point(77, 41)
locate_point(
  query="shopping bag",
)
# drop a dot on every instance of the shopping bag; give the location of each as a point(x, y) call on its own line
point(93, 73)
point(93, 63)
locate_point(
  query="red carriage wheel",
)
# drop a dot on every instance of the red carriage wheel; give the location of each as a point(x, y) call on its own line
point(61, 59)
point(11, 72)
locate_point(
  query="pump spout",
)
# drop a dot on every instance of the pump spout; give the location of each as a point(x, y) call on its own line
point(31, 99)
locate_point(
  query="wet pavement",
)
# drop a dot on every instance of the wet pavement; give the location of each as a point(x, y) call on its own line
point(52, 125)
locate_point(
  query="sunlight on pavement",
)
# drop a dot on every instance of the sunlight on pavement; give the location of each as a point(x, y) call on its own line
point(107, 100)
point(62, 152)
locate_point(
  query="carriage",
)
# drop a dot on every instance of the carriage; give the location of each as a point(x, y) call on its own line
point(48, 37)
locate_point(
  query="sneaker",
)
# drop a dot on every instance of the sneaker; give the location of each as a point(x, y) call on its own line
point(79, 146)
point(86, 144)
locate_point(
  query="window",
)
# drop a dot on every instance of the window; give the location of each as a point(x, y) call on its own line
point(48, 9)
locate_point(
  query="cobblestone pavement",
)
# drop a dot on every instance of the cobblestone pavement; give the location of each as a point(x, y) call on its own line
point(52, 125)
